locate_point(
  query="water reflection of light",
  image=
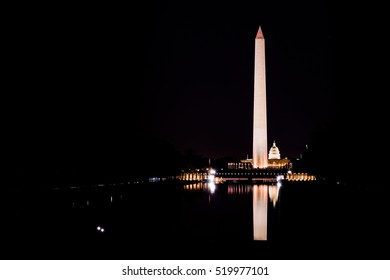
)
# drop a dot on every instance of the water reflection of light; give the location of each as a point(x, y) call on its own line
point(211, 187)
point(196, 186)
point(273, 192)
point(260, 211)
point(239, 189)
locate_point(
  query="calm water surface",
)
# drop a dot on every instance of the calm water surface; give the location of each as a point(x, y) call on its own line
point(199, 220)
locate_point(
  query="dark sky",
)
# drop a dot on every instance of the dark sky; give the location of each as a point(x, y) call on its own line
point(91, 79)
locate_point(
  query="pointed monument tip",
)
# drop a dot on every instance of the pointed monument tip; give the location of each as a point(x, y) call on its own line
point(259, 34)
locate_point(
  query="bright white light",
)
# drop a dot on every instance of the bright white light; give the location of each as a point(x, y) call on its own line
point(211, 178)
point(212, 171)
point(99, 228)
point(279, 179)
point(211, 187)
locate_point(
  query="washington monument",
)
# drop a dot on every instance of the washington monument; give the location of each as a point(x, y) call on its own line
point(259, 158)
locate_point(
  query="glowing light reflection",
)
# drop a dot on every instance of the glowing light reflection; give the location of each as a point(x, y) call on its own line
point(260, 211)
point(273, 192)
point(211, 186)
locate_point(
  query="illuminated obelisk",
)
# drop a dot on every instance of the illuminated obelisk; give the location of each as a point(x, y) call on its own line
point(260, 150)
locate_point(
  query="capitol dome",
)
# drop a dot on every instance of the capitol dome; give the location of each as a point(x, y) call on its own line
point(274, 152)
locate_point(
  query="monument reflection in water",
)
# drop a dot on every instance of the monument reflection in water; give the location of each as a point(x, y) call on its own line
point(260, 212)
point(261, 196)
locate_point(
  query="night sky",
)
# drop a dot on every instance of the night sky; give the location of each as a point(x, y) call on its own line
point(87, 81)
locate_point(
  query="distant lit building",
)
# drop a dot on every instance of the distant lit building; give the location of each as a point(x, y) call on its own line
point(274, 152)
point(274, 160)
